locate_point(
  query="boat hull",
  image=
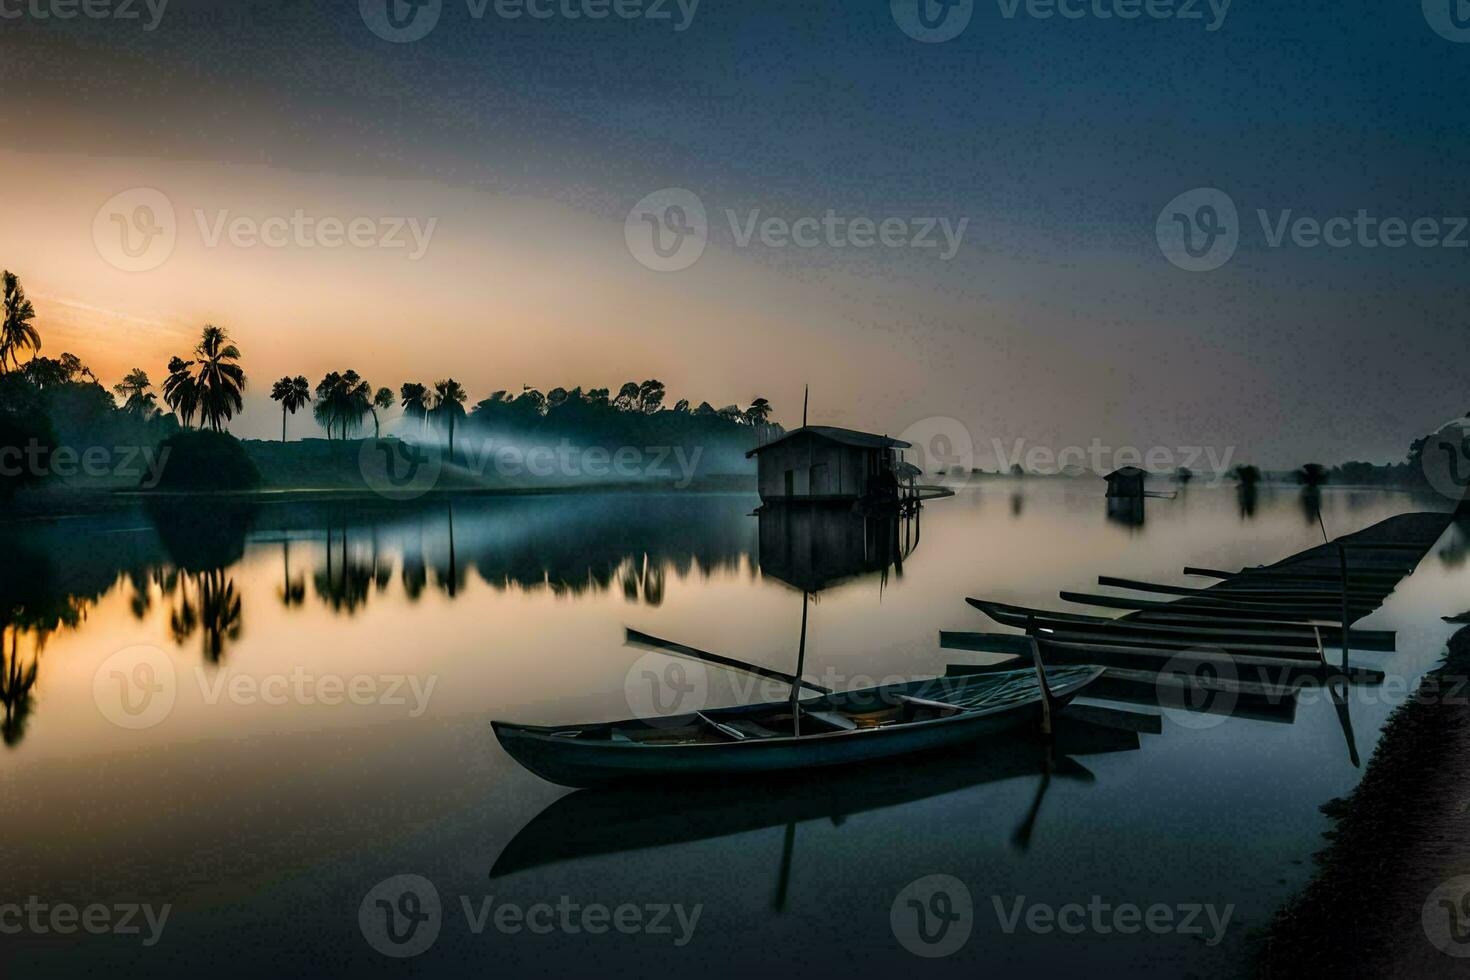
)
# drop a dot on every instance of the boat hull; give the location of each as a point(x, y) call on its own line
point(571, 762)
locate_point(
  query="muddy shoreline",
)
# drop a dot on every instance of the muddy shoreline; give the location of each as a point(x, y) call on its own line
point(1400, 835)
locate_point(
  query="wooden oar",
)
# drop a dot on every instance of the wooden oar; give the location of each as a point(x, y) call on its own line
point(638, 638)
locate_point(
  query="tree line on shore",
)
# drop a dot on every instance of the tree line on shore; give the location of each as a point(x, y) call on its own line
point(60, 401)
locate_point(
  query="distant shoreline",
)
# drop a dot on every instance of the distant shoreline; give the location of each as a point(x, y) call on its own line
point(53, 502)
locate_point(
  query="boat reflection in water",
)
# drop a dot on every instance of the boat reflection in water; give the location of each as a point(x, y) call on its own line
point(812, 548)
point(615, 820)
point(1126, 511)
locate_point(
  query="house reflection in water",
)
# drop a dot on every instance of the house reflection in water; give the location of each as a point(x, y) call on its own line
point(812, 547)
point(1127, 511)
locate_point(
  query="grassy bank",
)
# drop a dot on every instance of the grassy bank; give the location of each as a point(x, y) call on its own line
point(1395, 839)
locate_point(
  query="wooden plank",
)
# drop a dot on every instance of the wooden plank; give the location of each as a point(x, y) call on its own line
point(1264, 593)
point(984, 642)
point(1221, 607)
point(1302, 653)
point(1104, 653)
point(1180, 623)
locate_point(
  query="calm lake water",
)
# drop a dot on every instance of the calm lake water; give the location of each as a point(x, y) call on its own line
point(325, 675)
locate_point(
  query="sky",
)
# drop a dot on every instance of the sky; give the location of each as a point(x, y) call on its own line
point(498, 173)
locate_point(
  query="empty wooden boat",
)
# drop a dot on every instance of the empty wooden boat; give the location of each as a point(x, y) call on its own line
point(833, 729)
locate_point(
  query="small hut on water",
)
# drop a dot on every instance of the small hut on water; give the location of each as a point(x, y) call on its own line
point(824, 463)
point(1126, 482)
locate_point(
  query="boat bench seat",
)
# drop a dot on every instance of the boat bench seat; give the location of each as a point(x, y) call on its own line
point(750, 729)
point(833, 719)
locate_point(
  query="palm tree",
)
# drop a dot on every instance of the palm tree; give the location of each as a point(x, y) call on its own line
point(415, 402)
point(449, 399)
point(357, 401)
point(328, 401)
point(219, 378)
point(181, 390)
point(758, 412)
point(383, 399)
point(133, 389)
point(650, 396)
point(627, 399)
point(292, 393)
point(16, 331)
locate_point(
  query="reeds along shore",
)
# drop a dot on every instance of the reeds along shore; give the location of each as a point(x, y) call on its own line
point(1395, 839)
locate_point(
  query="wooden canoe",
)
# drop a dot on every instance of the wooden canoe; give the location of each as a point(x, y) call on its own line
point(834, 729)
point(618, 819)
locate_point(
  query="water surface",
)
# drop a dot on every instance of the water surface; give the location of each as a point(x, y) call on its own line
point(263, 825)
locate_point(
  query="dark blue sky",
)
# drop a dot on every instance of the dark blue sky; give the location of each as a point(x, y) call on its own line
point(1059, 141)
